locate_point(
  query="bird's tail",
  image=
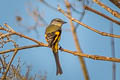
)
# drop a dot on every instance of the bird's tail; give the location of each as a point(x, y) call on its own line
point(55, 52)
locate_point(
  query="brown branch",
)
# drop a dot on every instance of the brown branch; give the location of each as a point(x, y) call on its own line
point(26, 37)
point(9, 27)
point(82, 62)
point(94, 57)
point(5, 35)
point(21, 35)
point(12, 32)
point(40, 44)
point(101, 14)
point(21, 48)
point(3, 62)
point(116, 2)
point(114, 13)
point(65, 50)
point(86, 26)
point(8, 67)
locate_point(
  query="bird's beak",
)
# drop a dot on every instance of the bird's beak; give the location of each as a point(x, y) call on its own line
point(64, 22)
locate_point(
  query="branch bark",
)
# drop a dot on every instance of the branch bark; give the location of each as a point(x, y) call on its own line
point(40, 44)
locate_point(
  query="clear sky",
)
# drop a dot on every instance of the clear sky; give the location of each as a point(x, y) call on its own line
point(42, 59)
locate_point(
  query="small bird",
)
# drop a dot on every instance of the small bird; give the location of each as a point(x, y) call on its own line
point(52, 36)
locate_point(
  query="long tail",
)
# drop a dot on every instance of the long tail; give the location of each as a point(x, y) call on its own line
point(55, 52)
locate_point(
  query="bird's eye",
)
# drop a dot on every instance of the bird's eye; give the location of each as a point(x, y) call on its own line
point(58, 21)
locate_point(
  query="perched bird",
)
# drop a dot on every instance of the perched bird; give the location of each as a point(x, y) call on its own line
point(52, 36)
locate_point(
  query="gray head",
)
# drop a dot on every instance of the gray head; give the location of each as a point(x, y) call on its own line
point(58, 22)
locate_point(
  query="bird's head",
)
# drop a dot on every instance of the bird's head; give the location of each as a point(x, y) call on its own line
point(58, 22)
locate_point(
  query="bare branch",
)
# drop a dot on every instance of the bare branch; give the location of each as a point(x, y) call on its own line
point(82, 62)
point(8, 67)
point(86, 26)
point(40, 44)
point(116, 2)
point(94, 57)
point(9, 27)
point(114, 13)
point(19, 34)
point(24, 47)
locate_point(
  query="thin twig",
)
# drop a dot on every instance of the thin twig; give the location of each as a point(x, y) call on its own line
point(8, 67)
point(9, 27)
point(80, 19)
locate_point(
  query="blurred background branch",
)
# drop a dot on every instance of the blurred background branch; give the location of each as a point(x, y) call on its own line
point(76, 41)
point(113, 53)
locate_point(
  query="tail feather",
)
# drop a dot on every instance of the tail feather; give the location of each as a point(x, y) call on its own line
point(58, 66)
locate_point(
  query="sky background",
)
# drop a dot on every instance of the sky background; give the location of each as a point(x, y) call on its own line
point(42, 59)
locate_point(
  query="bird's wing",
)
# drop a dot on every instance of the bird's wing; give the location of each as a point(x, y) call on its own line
point(53, 37)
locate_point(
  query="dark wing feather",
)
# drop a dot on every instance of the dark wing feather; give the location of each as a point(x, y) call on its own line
point(51, 38)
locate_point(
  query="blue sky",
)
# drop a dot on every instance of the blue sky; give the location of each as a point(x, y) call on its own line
point(42, 59)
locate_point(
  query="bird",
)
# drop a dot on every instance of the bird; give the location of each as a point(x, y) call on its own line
point(52, 36)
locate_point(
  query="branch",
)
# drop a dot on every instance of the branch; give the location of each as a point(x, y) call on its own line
point(86, 26)
point(101, 14)
point(94, 57)
point(8, 67)
point(114, 13)
point(12, 32)
point(82, 62)
point(116, 2)
point(40, 44)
